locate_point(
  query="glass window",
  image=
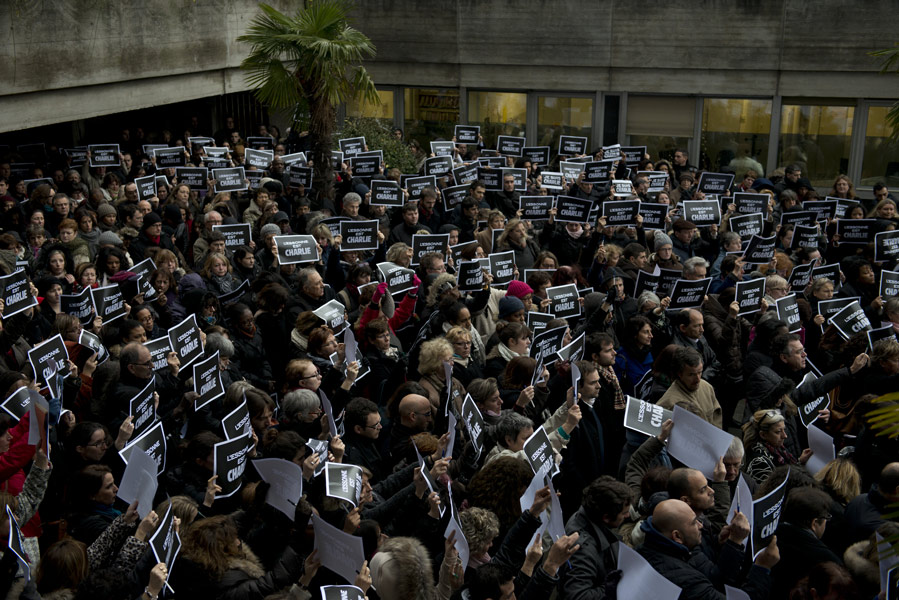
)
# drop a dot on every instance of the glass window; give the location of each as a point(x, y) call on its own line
point(562, 115)
point(661, 123)
point(382, 112)
point(817, 138)
point(431, 114)
point(881, 159)
point(735, 134)
point(498, 113)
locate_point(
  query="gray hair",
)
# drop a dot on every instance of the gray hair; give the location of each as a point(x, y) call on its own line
point(691, 264)
point(218, 342)
point(735, 450)
point(729, 237)
point(304, 275)
point(647, 296)
point(772, 281)
point(352, 197)
point(300, 402)
point(510, 424)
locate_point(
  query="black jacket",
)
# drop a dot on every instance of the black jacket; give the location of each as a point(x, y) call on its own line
point(597, 557)
point(865, 513)
point(800, 550)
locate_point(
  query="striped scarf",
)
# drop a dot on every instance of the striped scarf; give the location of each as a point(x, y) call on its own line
point(608, 374)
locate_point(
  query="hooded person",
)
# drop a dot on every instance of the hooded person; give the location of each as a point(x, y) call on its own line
point(151, 236)
point(174, 225)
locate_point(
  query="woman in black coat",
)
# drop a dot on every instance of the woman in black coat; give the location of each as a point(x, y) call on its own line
point(249, 348)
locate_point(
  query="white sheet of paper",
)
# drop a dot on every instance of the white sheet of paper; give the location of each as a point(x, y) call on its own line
point(349, 342)
point(337, 550)
point(697, 443)
point(527, 500)
point(460, 543)
point(556, 525)
point(139, 482)
point(742, 501)
point(451, 429)
point(821, 445)
point(640, 580)
point(286, 481)
point(735, 593)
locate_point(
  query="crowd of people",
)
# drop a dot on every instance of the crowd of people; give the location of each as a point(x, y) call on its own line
point(433, 392)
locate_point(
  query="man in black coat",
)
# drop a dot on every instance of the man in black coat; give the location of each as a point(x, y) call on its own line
point(362, 424)
point(135, 372)
point(866, 512)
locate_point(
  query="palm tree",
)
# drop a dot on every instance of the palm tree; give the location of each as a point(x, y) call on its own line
point(889, 63)
point(311, 60)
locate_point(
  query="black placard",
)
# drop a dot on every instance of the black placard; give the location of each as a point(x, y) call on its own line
point(621, 212)
point(667, 279)
point(238, 234)
point(229, 180)
point(599, 171)
point(197, 143)
point(831, 272)
point(502, 267)
point(646, 282)
point(547, 344)
point(365, 166)
point(229, 463)
point(442, 148)
point(196, 178)
point(109, 303)
point(159, 349)
point(535, 208)
point(881, 333)
point(828, 308)
point(466, 174)
point(185, 339)
point(295, 249)
point(424, 243)
point(146, 187)
point(104, 155)
point(823, 209)
point(537, 320)
point(746, 225)
point(520, 176)
point(152, 442)
point(551, 180)
point(399, 279)
point(748, 203)
point(539, 452)
point(798, 217)
point(261, 142)
point(622, 188)
point(689, 293)
point(18, 403)
point(766, 516)
point(564, 301)
point(510, 145)
point(237, 423)
point(143, 409)
point(886, 245)
point(654, 215)
point(235, 294)
point(645, 417)
point(470, 276)
point(453, 196)
point(749, 295)
point(851, 319)
point(358, 235)
point(656, 180)
point(491, 178)
point(572, 210)
point(298, 158)
point(572, 145)
point(16, 542)
point(788, 312)
point(889, 284)
point(467, 134)
point(302, 176)
point(386, 192)
point(351, 146)
point(702, 213)
point(207, 378)
point(843, 205)
point(538, 155)
point(166, 543)
point(16, 293)
point(856, 231)
point(760, 250)
point(415, 185)
point(170, 157)
point(261, 159)
point(144, 268)
point(633, 154)
point(715, 183)
point(344, 482)
point(439, 166)
point(333, 313)
point(804, 236)
point(474, 423)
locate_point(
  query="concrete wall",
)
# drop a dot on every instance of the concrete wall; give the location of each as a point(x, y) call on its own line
point(69, 59)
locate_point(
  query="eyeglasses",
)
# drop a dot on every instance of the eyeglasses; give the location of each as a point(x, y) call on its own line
point(427, 415)
point(316, 374)
point(143, 364)
point(101, 444)
point(375, 426)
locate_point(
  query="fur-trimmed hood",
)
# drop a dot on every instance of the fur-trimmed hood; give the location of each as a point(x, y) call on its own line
point(249, 563)
point(864, 571)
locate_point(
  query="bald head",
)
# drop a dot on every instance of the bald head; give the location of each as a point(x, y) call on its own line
point(889, 481)
point(675, 520)
point(415, 412)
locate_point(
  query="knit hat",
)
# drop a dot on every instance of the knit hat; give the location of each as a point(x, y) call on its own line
point(518, 289)
point(150, 219)
point(765, 387)
point(280, 216)
point(105, 209)
point(661, 239)
point(108, 238)
point(270, 228)
point(509, 305)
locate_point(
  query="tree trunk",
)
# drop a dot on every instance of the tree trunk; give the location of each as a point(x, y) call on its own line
point(322, 118)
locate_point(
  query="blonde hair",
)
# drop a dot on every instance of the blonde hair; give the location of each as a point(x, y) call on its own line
point(510, 225)
point(432, 355)
point(322, 230)
point(480, 527)
point(210, 262)
point(841, 476)
point(458, 334)
point(762, 420)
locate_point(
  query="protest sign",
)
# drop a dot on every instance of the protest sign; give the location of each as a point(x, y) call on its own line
point(350, 147)
point(368, 166)
point(831, 272)
point(715, 183)
point(645, 417)
point(166, 543)
point(207, 378)
point(466, 174)
point(788, 312)
point(151, 442)
point(622, 188)
point(185, 339)
point(239, 234)
point(804, 236)
point(656, 180)
point(159, 349)
point(386, 192)
point(850, 319)
point(539, 452)
point(621, 212)
point(572, 210)
point(654, 215)
point(510, 145)
point(343, 482)
point(47, 358)
point(633, 155)
point(237, 422)
point(572, 145)
point(760, 250)
point(295, 249)
point(702, 213)
point(300, 176)
point(570, 169)
point(645, 282)
point(667, 279)
point(338, 551)
point(828, 308)
point(109, 303)
point(229, 462)
point(822, 449)
point(333, 314)
point(640, 580)
point(142, 407)
point(474, 423)
point(564, 301)
point(746, 226)
point(538, 155)
point(260, 142)
point(454, 196)
point(749, 203)
point(139, 482)
point(799, 217)
point(598, 171)
point(766, 516)
point(17, 403)
point(547, 344)
point(358, 235)
point(696, 442)
point(146, 187)
point(502, 267)
point(427, 243)
point(551, 180)
point(535, 208)
point(519, 176)
point(261, 159)
point(575, 350)
point(889, 284)
point(15, 543)
point(438, 165)
point(229, 180)
point(537, 320)
point(823, 209)
point(442, 148)
point(454, 525)
point(881, 333)
point(491, 178)
point(399, 279)
point(285, 479)
point(856, 231)
point(749, 295)
point(689, 293)
point(104, 155)
point(467, 134)
point(415, 185)
point(16, 293)
point(170, 157)
point(886, 245)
